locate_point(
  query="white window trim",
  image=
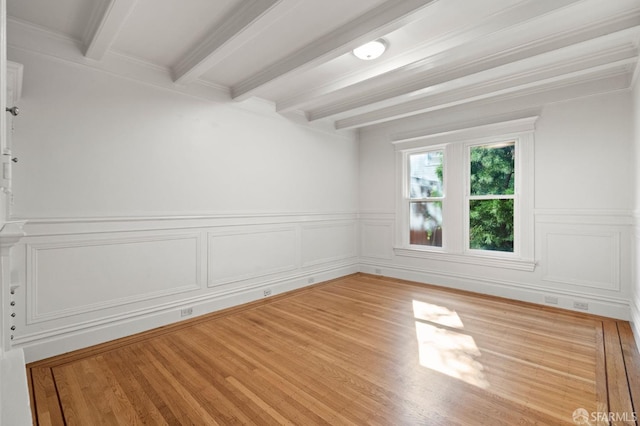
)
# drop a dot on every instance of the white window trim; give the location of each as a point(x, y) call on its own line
point(455, 236)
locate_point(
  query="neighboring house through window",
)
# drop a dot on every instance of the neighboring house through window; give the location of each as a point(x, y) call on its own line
point(426, 193)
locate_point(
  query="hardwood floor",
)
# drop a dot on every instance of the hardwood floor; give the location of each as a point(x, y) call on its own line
point(358, 350)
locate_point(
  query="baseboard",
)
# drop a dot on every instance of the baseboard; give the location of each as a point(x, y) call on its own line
point(57, 342)
point(14, 392)
point(608, 307)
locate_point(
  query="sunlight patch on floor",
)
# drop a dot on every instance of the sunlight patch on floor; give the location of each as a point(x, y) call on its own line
point(444, 350)
point(436, 314)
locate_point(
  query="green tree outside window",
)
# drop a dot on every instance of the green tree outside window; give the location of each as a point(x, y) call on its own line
point(491, 201)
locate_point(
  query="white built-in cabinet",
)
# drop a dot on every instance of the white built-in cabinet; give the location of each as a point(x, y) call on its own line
point(14, 93)
point(10, 231)
point(14, 393)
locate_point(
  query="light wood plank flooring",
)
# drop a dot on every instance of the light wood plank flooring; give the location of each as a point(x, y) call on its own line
point(354, 351)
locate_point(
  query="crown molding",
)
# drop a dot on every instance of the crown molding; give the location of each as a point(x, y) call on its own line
point(39, 41)
point(389, 16)
point(34, 39)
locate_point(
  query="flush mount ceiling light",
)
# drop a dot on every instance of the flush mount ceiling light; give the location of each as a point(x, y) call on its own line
point(371, 50)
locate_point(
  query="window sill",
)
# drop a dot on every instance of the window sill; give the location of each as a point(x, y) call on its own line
point(496, 262)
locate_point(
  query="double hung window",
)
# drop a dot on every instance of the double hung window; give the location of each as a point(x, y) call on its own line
point(491, 196)
point(467, 200)
point(426, 193)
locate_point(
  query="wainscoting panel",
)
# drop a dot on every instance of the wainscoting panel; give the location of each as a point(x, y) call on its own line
point(250, 253)
point(583, 261)
point(82, 275)
point(376, 239)
point(581, 256)
point(80, 282)
point(328, 242)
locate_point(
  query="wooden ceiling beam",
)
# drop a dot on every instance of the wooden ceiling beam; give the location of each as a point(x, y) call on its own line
point(105, 26)
point(242, 24)
point(389, 16)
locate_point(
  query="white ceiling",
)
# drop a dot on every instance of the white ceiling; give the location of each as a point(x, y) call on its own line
point(443, 54)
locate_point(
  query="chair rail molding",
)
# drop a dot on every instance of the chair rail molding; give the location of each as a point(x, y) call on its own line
point(10, 234)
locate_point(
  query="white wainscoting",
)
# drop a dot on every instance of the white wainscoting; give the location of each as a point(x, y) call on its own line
point(588, 251)
point(376, 238)
point(322, 244)
point(102, 272)
point(581, 256)
point(86, 281)
point(252, 252)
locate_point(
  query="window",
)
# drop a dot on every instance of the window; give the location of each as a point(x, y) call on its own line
point(426, 192)
point(491, 195)
point(467, 196)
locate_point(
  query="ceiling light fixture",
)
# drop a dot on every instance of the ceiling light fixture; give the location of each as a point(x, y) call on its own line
point(371, 50)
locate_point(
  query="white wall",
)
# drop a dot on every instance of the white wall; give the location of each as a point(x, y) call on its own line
point(91, 144)
point(582, 155)
point(141, 201)
point(583, 207)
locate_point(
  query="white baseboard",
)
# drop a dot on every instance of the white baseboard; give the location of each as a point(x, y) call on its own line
point(15, 408)
point(56, 342)
point(608, 307)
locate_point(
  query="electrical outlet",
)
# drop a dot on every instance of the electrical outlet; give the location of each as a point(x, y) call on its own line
point(185, 312)
point(581, 305)
point(267, 292)
point(311, 280)
point(552, 300)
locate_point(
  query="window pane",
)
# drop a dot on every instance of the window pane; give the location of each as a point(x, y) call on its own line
point(493, 169)
point(426, 224)
point(491, 225)
point(425, 172)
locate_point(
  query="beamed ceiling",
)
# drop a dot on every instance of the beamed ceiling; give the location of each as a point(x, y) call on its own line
point(443, 55)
